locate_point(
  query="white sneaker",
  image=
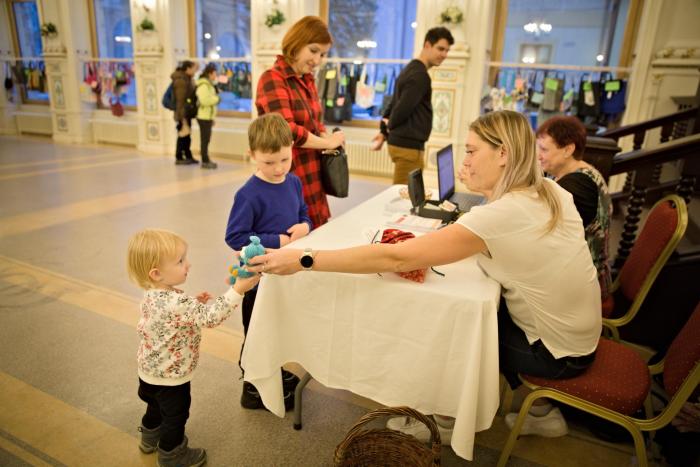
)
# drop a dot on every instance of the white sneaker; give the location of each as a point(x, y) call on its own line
point(413, 427)
point(551, 425)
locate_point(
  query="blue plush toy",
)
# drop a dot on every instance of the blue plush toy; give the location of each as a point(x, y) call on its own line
point(254, 248)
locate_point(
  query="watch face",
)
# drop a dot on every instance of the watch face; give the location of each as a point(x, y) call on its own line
point(307, 261)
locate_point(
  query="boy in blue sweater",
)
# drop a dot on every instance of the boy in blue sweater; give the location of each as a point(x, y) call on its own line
point(269, 205)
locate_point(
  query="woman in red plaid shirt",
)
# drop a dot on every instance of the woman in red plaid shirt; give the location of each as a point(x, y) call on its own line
point(289, 89)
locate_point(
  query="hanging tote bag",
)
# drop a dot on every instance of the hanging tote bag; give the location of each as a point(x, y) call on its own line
point(335, 174)
point(116, 106)
point(364, 94)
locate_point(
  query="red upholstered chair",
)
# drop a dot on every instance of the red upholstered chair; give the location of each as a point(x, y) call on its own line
point(660, 235)
point(617, 384)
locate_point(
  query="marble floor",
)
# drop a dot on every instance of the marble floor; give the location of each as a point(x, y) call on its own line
point(68, 314)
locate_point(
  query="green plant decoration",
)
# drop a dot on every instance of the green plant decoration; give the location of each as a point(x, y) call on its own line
point(48, 30)
point(451, 15)
point(146, 25)
point(274, 18)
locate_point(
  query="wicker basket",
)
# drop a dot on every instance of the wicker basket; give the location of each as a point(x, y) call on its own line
point(384, 447)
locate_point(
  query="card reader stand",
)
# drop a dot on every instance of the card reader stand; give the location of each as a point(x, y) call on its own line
point(431, 209)
point(421, 206)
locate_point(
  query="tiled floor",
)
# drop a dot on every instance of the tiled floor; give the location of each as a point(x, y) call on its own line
point(68, 313)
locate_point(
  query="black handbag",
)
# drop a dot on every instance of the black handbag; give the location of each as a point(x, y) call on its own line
point(335, 175)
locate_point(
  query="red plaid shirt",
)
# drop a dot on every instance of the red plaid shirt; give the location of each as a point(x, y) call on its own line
point(277, 93)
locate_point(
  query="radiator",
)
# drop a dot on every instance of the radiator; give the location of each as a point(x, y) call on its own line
point(115, 132)
point(34, 123)
point(362, 160)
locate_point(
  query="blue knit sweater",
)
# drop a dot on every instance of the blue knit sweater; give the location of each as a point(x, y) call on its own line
point(266, 210)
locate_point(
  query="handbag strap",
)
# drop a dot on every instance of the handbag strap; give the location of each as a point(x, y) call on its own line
point(293, 84)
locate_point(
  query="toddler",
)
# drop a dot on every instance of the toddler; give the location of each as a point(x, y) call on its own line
point(170, 331)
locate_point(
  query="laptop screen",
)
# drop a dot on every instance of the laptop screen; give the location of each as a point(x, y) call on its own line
point(446, 172)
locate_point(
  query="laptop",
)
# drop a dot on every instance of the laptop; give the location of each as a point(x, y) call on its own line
point(446, 182)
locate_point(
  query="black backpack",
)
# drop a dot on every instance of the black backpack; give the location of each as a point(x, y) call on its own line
point(191, 104)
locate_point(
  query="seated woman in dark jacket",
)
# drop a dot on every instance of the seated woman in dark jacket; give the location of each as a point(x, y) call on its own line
point(560, 145)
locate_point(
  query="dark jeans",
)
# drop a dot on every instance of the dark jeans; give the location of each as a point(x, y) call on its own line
point(204, 137)
point(169, 408)
point(182, 146)
point(246, 313)
point(516, 355)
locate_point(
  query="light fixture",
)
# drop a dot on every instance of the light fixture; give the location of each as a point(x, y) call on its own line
point(218, 48)
point(207, 35)
point(122, 38)
point(600, 57)
point(367, 44)
point(538, 28)
point(414, 24)
point(214, 56)
point(529, 59)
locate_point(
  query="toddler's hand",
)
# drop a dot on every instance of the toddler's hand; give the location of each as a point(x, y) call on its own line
point(284, 240)
point(203, 297)
point(243, 285)
point(297, 231)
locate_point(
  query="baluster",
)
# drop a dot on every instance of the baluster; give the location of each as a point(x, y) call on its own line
point(628, 182)
point(685, 188)
point(642, 180)
point(638, 139)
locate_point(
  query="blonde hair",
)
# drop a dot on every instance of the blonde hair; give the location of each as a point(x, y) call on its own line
point(512, 131)
point(147, 249)
point(308, 30)
point(269, 133)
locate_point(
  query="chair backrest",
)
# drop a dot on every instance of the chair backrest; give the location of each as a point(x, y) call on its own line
point(683, 354)
point(660, 235)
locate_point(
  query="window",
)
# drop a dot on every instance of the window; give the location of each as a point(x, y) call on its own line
point(221, 34)
point(584, 33)
point(372, 40)
point(357, 32)
point(112, 44)
point(30, 71)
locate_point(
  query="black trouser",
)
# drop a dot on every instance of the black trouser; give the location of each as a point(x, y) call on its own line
point(516, 355)
point(246, 313)
point(182, 146)
point(169, 409)
point(205, 137)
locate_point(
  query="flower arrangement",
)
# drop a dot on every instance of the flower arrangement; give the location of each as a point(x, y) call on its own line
point(274, 18)
point(451, 15)
point(49, 30)
point(146, 25)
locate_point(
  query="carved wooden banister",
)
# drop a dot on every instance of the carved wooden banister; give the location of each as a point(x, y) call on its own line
point(600, 153)
point(640, 128)
point(644, 162)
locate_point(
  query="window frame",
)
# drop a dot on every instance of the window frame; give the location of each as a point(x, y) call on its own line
point(192, 43)
point(18, 51)
point(324, 12)
point(95, 52)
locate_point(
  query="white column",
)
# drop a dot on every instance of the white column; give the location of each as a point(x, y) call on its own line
point(69, 115)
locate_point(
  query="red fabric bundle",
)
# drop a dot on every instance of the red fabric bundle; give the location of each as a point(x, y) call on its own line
point(398, 236)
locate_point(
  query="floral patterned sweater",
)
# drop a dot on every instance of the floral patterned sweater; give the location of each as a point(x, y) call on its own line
point(170, 329)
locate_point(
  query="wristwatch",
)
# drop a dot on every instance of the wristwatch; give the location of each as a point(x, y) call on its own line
point(307, 259)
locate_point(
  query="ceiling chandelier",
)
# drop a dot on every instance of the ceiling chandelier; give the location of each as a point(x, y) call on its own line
point(538, 28)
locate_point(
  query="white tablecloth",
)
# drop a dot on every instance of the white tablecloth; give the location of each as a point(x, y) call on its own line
point(430, 346)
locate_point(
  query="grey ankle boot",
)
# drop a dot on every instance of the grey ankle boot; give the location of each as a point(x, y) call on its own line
point(149, 439)
point(182, 456)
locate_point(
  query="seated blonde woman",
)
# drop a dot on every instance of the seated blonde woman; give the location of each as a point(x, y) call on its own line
point(528, 237)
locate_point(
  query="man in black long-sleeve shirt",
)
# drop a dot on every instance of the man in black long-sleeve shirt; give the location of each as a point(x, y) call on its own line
point(408, 119)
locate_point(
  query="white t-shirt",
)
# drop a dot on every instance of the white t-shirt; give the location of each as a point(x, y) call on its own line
point(549, 281)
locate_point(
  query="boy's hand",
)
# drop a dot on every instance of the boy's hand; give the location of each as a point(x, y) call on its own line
point(203, 297)
point(284, 240)
point(243, 285)
point(297, 231)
